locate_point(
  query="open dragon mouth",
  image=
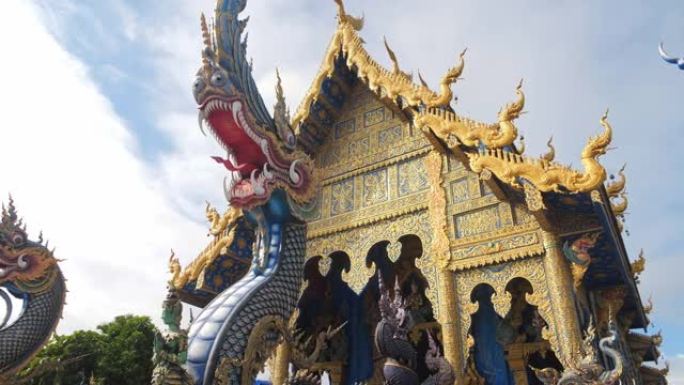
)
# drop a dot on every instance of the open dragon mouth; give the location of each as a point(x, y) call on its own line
point(250, 157)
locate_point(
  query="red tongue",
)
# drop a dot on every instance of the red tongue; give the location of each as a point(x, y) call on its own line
point(248, 167)
point(228, 164)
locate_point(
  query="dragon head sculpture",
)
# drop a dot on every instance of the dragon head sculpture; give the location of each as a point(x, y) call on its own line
point(24, 265)
point(30, 274)
point(260, 150)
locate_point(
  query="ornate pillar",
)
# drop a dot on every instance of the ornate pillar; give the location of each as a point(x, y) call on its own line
point(559, 281)
point(446, 292)
point(281, 364)
point(448, 319)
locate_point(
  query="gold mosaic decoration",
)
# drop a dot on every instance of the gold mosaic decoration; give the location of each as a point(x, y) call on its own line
point(484, 220)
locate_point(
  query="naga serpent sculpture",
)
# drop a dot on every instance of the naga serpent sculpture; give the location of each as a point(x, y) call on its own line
point(271, 181)
point(588, 371)
point(28, 273)
point(391, 337)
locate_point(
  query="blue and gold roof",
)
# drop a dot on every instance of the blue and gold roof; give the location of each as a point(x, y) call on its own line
point(225, 260)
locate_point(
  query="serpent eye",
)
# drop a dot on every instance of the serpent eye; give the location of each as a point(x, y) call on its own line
point(198, 85)
point(18, 239)
point(218, 79)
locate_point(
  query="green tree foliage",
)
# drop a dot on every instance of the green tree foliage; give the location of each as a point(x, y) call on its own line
point(118, 353)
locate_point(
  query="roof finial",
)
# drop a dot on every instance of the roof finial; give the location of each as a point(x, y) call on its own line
point(422, 81)
point(356, 23)
point(616, 187)
point(551, 154)
point(521, 145)
point(392, 56)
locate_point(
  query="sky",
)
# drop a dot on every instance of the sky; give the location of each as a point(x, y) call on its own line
point(99, 143)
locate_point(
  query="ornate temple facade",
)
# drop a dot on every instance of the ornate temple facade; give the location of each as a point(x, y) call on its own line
point(509, 259)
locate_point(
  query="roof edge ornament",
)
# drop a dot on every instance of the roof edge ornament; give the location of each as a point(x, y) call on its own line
point(548, 176)
point(615, 188)
point(347, 42)
point(620, 207)
point(471, 133)
point(344, 18)
point(550, 155)
point(222, 227)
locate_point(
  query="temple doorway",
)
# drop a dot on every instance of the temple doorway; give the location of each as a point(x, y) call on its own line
point(521, 333)
point(329, 301)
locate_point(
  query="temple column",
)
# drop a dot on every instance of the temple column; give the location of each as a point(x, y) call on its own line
point(448, 318)
point(559, 281)
point(281, 364)
point(446, 292)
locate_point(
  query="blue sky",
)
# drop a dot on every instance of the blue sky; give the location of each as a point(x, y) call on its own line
point(112, 166)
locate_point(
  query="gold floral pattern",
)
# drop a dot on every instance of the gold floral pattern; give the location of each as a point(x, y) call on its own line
point(375, 189)
point(342, 197)
point(374, 116)
point(412, 177)
point(477, 222)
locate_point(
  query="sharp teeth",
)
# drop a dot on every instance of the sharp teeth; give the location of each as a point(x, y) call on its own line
point(200, 121)
point(256, 187)
point(232, 160)
point(228, 188)
point(235, 108)
point(266, 173)
point(293, 173)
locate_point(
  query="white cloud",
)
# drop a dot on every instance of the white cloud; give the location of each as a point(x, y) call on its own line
point(676, 375)
point(71, 165)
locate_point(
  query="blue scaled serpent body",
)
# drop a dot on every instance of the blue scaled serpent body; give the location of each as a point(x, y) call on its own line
point(32, 290)
point(271, 181)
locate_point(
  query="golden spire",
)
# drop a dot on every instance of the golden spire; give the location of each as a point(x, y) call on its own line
point(551, 154)
point(616, 187)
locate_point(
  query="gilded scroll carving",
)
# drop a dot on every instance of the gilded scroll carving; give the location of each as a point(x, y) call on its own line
point(356, 242)
point(437, 209)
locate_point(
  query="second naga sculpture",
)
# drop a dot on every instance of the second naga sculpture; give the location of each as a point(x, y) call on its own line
point(391, 338)
point(29, 276)
point(589, 370)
